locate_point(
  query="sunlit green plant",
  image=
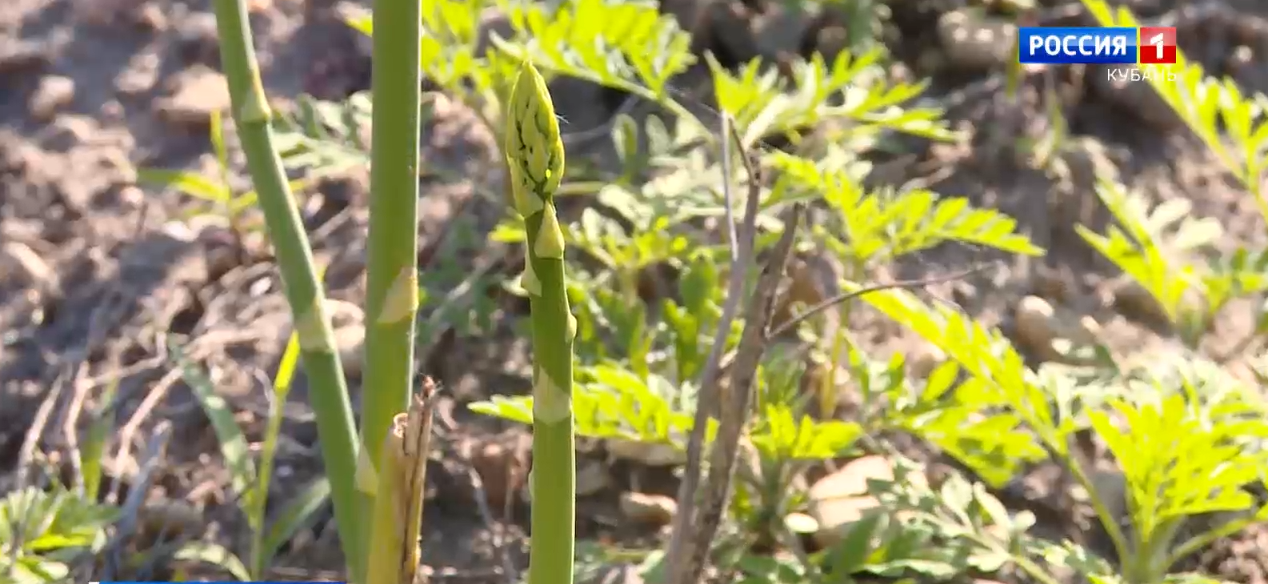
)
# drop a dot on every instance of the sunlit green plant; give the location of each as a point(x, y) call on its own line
point(41, 532)
point(217, 193)
point(250, 479)
point(1155, 246)
point(1170, 478)
point(392, 293)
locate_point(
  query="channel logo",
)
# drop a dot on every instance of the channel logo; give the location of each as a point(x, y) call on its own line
point(1121, 45)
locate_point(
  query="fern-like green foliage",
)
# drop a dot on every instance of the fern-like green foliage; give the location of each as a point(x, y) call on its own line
point(611, 401)
point(886, 224)
point(997, 381)
point(786, 436)
point(1147, 244)
point(1182, 440)
point(217, 192)
point(764, 104)
point(1205, 103)
point(1160, 248)
point(625, 45)
point(324, 137)
point(1182, 455)
point(51, 528)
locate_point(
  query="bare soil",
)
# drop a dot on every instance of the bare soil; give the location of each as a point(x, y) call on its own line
point(98, 275)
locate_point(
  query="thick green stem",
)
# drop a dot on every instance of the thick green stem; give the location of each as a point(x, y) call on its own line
point(535, 159)
point(391, 279)
point(329, 393)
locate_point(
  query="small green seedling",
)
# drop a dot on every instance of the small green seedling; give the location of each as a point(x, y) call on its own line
point(218, 196)
point(250, 480)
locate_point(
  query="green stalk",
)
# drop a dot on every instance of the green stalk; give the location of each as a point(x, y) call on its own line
point(252, 115)
point(391, 276)
point(535, 158)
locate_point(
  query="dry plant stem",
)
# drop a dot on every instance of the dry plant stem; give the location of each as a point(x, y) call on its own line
point(735, 401)
point(398, 505)
point(391, 270)
point(847, 296)
point(741, 248)
point(329, 392)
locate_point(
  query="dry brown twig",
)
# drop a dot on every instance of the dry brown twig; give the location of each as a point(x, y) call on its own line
point(404, 474)
point(693, 531)
point(741, 243)
point(735, 398)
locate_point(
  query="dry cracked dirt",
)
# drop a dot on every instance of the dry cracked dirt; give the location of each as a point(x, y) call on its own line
point(99, 276)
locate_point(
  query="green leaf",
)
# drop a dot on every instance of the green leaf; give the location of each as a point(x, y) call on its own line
point(1139, 246)
point(186, 182)
point(1203, 103)
point(850, 554)
point(297, 513)
point(214, 555)
point(94, 446)
point(625, 45)
point(286, 369)
point(762, 104)
point(610, 401)
point(233, 444)
point(324, 137)
point(887, 224)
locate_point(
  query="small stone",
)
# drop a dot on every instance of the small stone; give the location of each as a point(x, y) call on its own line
point(23, 56)
point(19, 262)
point(197, 38)
point(648, 509)
point(139, 76)
point(172, 517)
point(1134, 302)
point(1035, 320)
point(348, 321)
point(975, 42)
point(502, 464)
point(840, 499)
point(648, 453)
point(592, 478)
point(112, 111)
point(196, 94)
point(924, 358)
point(54, 93)
point(801, 523)
point(151, 17)
point(1051, 333)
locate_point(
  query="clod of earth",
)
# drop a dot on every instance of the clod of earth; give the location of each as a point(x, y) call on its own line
point(195, 94)
point(592, 478)
point(648, 509)
point(975, 42)
point(54, 93)
point(840, 499)
point(1042, 328)
point(19, 263)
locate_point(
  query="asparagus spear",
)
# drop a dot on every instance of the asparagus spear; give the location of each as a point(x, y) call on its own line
point(535, 158)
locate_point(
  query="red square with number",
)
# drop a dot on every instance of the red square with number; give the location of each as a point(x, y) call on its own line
point(1157, 45)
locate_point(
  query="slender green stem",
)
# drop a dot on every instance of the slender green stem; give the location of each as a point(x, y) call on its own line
point(329, 393)
point(535, 160)
point(392, 278)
